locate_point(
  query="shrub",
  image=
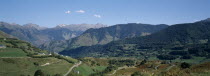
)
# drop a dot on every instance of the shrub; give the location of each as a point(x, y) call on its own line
point(39, 73)
point(143, 62)
point(185, 65)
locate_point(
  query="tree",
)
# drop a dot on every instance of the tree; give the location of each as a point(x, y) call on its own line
point(185, 65)
point(39, 73)
point(143, 62)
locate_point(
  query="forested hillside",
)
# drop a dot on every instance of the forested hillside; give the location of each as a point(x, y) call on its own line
point(104, 35)
point(179, 41)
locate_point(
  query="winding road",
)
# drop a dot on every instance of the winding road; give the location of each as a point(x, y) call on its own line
point(75, 65)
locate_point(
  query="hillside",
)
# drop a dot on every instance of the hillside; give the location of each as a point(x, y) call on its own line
point(4, 35)
point(20, 58)
point(104, 35)
point(137, 67)
point(38, 35)
point(180, 41)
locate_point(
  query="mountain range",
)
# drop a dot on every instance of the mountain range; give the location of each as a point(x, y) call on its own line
point(38, 35)
point(104, 35)
point(175, 38)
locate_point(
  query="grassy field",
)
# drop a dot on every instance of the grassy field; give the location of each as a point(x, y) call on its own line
point(12, 52)
point(91, 65)
point(84, 70)
point(26, 66)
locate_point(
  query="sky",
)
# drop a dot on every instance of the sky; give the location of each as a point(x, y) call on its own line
point(50, 13)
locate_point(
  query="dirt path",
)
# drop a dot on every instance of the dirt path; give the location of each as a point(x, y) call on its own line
point(75, 65)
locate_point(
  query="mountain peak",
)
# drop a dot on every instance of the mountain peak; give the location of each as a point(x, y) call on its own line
point(80, 27)
point(31, 25)
point(208, 19)
point(61, 25)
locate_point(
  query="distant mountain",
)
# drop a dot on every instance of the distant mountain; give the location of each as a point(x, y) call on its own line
point(38, 35)
point(4, 35)
point(191, 38)
point(116, 32)
point(31, 25)
point(104, 35)
point(11, 42)
point(80, 27)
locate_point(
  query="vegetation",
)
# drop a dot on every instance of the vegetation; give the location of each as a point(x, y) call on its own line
point(39, 73)
point(20, 58)
point(28, 66)
point(179, 50)
point(185, 65)
point(136, 74)
point(121, 63)
point(104, 35)
point(181, 41)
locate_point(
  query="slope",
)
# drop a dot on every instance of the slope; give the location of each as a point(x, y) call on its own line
point(188, 41)
point(38, 35)
point(104, 35)
point(21, 58)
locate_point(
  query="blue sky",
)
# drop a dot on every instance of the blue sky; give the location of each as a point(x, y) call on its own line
point(50, 13)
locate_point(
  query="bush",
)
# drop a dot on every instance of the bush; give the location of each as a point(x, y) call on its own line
point(185, 65)
point(39, 73)
point(143, 62)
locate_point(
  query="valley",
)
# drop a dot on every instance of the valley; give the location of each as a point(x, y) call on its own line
point(104, 38)
point(139, 55)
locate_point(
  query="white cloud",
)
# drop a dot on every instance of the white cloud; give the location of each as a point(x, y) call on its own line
point(80, 11)
point(68, 12)
point(98, 16)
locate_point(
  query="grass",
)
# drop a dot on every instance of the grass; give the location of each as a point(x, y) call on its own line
point(194, 60)
point(12, 52)
point(72, 59)
point(25, 66)
point(100, 68)
point(84, 70)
